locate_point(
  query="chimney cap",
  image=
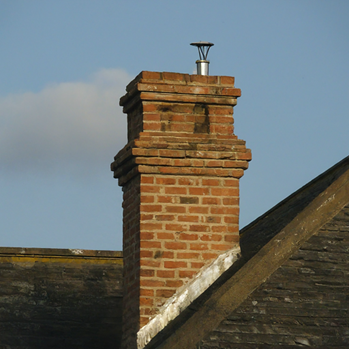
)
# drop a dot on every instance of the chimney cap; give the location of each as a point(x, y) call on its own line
point(203, 47)
point(202, 63)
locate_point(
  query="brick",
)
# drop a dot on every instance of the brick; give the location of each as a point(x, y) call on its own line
point(150, 244)
point(231, 219)
point(151, 208)
point(147, 199)
point(211, 182)
point(165, 273)
point(176, 227)
point(187, 273)
point(199, 191)
point(145, 253)
point(199, 228)
point(197, 265)
point(199, 247)
point(147, 179)
point(146, 292)
point(187, 255)
point(224, 210)
point(165, 180)
point(173, 76)
point(213, 219)
point(151, 226)
point(188, 181)
point(188, 218)
point(170, 118)
point(224, 191)
point(220, 247)
point(214, 163)
point(209, 255)
point(174, 283)
point(165, 199)
point(231, 201)
point(175, 264)
point(175, 209)
point(152, 283)
point(182, 127)
point(150, 189)
point(186, 236)
point(176, 190)
point(189, 200)
point(182, 162)
point(232, 238)
point(220, 110)
point(167, 254)
point(175, 245)
point(146, 217)
point(151, 117)
point(198, 209)
point(211, 237)
point(221, 120)
point(147, 236)
point(149, 75)
point(165, 236)
point(233, 228)
point(149, 263)
point(165, 293)
point(231, 183)
point(211, 201)
point(222, 129)
point(145, 152)
point(149, 107)
point(172, 153)
point(227, 80)
point(164, 217)
point(145, 301)
point(151, 126)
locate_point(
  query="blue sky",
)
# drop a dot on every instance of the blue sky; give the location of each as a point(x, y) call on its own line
point(65, 64)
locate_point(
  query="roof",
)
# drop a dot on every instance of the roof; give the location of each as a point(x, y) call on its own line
point(266, 244)
point(53, 298)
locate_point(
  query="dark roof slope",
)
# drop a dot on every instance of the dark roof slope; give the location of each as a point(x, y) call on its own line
point(304, 303)
point(60, 298)
point(255, 235)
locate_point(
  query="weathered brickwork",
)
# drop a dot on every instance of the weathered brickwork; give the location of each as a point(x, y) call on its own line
point(185, 222)
point(51, 298)
point(181, 166)
point(303, 304)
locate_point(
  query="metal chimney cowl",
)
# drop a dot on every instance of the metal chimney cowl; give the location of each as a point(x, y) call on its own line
point(202, 63)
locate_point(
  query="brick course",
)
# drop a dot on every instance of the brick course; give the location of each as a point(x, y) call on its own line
point(180, 175)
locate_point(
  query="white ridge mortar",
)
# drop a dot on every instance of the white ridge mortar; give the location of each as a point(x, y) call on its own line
point(186, 295)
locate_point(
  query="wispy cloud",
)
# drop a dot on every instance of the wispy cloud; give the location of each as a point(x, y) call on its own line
point(76, 125)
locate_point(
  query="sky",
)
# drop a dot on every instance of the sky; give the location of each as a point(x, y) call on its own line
point(64, 66)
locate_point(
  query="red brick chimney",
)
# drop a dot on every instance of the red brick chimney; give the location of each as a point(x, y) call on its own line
point(180, 176)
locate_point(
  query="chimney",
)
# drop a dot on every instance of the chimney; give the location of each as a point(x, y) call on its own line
point(180, 176)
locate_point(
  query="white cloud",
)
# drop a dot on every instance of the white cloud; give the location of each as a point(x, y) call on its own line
point(77, 125)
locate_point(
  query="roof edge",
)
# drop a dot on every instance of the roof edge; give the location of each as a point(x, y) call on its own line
point(57, 252)
point(256, 234)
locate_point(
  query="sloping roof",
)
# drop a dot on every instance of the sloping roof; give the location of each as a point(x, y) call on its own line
point(266, 244)
point(60, 298)
point(304, 303)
